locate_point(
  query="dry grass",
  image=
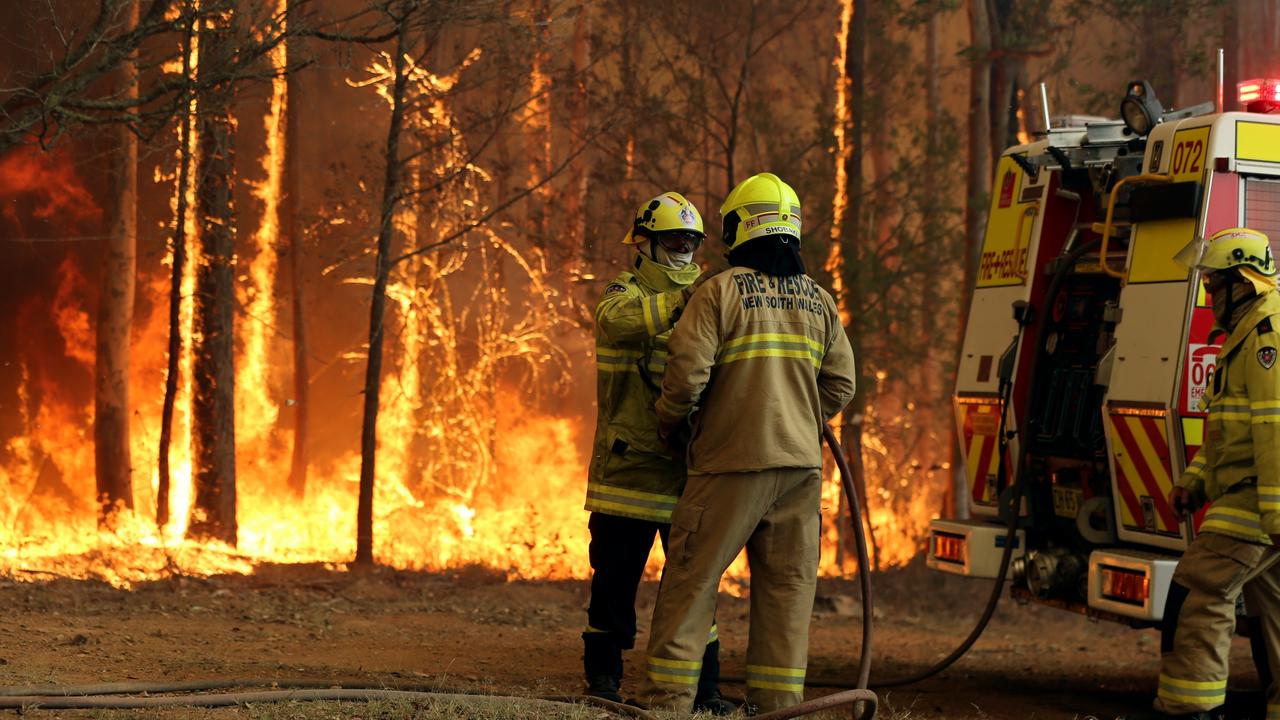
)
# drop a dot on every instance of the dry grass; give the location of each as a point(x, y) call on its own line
point(497, 709)
point(448, 710)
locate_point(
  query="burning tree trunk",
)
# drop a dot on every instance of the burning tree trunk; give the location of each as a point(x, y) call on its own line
point(835, 264)
point(113, 464)
point(213, 403)
point(849, 224)
point(377, 308)
point(179, 256)
point(292, 240)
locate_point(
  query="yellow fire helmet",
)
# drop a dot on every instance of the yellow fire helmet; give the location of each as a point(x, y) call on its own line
point(668, 212)
point(1238, 248)
point(759, 206)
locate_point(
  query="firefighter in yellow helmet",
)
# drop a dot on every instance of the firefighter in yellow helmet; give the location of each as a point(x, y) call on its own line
point(634, 481)
point(1237, 471)
point(758, 362)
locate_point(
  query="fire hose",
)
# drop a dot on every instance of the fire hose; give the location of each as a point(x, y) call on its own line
point(1012, 500)
point(125, 695)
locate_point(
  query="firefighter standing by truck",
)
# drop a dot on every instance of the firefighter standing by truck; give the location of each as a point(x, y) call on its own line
point(1238, 472)
point(761, 349)
point(634, 482)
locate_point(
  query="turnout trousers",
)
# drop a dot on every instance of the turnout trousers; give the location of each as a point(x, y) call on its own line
point(619, 551)
point(1212, 573)
point(775, 515)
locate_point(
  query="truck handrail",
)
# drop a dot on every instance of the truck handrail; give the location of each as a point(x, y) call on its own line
point(1111, 209)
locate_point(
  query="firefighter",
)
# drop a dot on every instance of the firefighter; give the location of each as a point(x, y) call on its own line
point(634, 482)
point(1237, 471)
point(761, 351)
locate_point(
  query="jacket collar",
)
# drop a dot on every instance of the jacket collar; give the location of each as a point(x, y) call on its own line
point(660, 278)
point(1267, 305)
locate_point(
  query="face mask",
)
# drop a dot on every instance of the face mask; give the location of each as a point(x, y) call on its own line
point(663, 256)
point(1230, 298)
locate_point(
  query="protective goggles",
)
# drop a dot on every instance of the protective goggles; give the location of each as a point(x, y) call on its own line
point(1217, 279)
point(679, 241)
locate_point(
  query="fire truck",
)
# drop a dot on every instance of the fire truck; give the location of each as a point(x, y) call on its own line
point(1088, 347)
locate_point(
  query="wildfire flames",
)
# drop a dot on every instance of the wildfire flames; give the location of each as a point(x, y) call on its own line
point(467, 474)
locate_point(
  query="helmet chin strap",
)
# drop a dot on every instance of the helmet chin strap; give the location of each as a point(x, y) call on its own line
point(1226, 315)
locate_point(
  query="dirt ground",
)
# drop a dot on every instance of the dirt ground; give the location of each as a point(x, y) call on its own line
point(472, 630)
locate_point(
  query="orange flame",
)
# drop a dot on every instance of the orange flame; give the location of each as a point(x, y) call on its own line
point(49, 182)
point(466, 473)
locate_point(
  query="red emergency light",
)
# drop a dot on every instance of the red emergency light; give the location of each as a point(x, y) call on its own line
point(1261, 95)
point(1127, 586)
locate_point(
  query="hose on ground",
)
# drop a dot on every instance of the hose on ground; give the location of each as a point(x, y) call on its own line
point(128, 702)
point(864, 698)
point(115, 696)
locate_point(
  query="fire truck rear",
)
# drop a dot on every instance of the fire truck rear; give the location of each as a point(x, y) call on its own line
point(1088, 347)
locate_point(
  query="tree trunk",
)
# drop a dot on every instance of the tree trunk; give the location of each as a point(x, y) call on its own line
point(853, 237)
point(935, 236)
point(1158, 45)
point(834, 265)
point(291, 242)
point(883, 87)
point(1232, 50)
point(377, 308)
point(538, 122)
point(113, 464)
point(575, 201)
point(978, 179)
point(977, 182)
point(213, 369)
point(179, 251)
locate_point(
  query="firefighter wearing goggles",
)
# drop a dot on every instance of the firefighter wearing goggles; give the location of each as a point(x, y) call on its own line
point(1236, 471)
point(634, 481)
point(761, 350)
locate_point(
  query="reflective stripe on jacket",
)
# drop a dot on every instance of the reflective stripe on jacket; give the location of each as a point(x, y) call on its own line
point(631, 474)
point(1238, 468)
point(767, 360)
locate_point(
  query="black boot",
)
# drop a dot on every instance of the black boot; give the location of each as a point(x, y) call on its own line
point(602, 664)
point(708, 698)
point(604, 687)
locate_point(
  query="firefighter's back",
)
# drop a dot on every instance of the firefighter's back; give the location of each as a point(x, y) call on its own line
point(763, 407)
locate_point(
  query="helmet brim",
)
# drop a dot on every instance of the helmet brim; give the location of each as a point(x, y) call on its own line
point(1191, 254)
